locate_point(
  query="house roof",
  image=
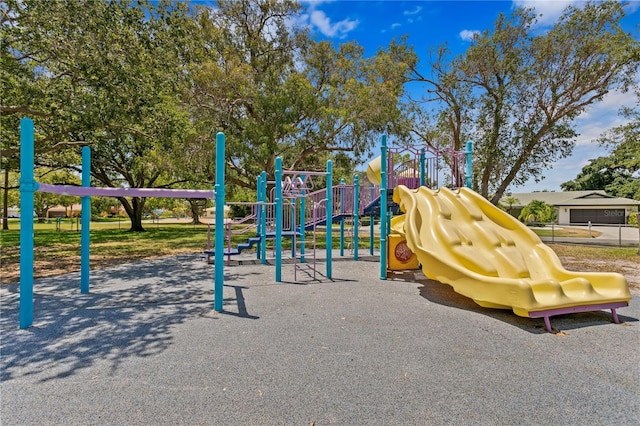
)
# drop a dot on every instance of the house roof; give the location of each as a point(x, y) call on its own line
point(570, 198)
point(60, 208)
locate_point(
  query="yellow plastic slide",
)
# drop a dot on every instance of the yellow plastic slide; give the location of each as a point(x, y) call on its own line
point(463, 240)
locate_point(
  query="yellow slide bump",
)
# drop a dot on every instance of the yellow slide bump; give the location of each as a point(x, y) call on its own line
point(463, 240)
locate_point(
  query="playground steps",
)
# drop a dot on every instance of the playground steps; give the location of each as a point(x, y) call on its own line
point(334, 219)
point(373, 208)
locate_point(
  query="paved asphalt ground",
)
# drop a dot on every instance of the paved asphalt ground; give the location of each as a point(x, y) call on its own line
point(145, 348)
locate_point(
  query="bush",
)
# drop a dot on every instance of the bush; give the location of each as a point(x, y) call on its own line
point(537, 212)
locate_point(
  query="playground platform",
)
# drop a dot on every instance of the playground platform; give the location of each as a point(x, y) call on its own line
point(146, 348)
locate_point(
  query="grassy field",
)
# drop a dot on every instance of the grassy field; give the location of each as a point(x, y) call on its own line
point(58, 252)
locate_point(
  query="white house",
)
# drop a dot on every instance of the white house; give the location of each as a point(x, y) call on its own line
point(579, 207)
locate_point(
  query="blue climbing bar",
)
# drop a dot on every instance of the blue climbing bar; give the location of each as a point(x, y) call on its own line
point(86, 222)
point(27, 187)
point(218, 287)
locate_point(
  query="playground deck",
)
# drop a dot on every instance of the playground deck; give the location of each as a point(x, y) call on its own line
point(145, 347)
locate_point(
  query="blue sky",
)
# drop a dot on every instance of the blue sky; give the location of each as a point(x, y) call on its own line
point(373, 24)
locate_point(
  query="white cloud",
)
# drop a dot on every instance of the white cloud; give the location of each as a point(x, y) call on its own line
point(549, 9)
point(631, 7)
point(602, 116)
point(318, 20)
point(323, 23)
point(469, 35)
point(413, 12)
point(395, 25)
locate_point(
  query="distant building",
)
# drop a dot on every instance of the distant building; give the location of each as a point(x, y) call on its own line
point(210, 213)
point(579, 207)
point(64, 211)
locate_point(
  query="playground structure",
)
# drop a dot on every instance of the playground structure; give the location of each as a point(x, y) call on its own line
point(461, 239)
point(458, 238)
point(28, 186)
point(298, 202)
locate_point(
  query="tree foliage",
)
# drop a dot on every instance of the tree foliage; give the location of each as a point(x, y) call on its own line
point(522, 91)
point(537, 212)
point(108, 74)
point(619, 172)
point(276, 92)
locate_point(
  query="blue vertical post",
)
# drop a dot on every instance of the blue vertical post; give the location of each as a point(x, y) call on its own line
point(86, 222)
point(278, 201)
point(218, 288)
point(28, 186)
point(356, 215)
point(383, 209)
point(258, 211)
point(263, 219)
point(468, 165)
point(329, 221)
point(342, 183)
point(302, 219)
point(423, 179)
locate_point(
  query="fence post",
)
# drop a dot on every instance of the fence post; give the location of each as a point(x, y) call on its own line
point(619, 235)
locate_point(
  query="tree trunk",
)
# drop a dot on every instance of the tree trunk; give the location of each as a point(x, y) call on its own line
point(196, 206)
point(136, 218)
point(134, 211)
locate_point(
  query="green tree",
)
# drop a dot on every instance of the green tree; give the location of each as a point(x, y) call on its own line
point(276, 92)
point(44, 201)
point(619, 172)
point(537, 212)
point(524, 90)
point(105, 73)
point(510, 200)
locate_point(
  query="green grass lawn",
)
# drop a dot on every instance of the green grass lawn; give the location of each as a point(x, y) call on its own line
point(56, 252)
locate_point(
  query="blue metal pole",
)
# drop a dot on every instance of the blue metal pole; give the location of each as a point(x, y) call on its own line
point(422, 169)
point(218, 289)
point(278, 201)
point(383, 209)
point(468, 165)
point(258, 211)
point(329, 221)
point(27, 187)
point(86, 222)
point(263, 219)
point(342, 182)
point(302, 221)
point(356, 215)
